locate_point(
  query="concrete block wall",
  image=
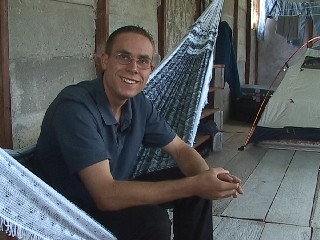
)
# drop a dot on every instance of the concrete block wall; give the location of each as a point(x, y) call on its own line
point(180, 16)
point(51, 44)
point(134, 12)
point(228, 12)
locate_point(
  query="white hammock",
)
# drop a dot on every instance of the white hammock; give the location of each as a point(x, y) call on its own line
point(30, 209)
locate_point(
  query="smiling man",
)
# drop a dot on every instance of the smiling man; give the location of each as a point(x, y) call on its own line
point(89, 140)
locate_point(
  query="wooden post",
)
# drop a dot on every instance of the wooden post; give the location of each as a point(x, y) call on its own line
point(235, 26)
point(198, 9)
point(102, 31)
point(248, 42)
point(161, 15)
point(5, 95)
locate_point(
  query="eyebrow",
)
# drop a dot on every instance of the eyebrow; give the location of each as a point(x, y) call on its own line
point(143, 56)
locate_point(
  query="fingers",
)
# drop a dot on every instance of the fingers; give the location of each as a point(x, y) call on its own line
point(235, 179)
point(218, 183)
point(227, 177)
point(233, 192)
point(220, 171)
point(240, 190)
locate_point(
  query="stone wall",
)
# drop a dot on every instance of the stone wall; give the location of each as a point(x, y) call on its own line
point(51, 44)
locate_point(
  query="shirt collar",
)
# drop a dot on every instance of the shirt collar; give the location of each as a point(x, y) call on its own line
point(105, 110)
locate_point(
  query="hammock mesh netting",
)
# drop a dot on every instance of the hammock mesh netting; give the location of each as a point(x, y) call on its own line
point(31, 209)
point(178, 88)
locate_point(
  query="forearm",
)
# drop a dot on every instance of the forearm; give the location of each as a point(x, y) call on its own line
point(109, 194)
point(124, 194)
point(190, 162)
point(187, 158)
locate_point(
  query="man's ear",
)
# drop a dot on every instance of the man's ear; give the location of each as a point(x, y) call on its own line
point(103, 60)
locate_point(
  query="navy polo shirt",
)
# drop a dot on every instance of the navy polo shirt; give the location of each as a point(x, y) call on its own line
point(79, 130)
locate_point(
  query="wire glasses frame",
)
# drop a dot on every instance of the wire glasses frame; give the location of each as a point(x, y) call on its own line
point(125, 59)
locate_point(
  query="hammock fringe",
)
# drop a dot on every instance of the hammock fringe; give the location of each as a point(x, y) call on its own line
point(31, 209)
point(13, 230)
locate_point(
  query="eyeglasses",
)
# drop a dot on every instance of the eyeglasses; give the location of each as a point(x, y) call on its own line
point(125, 59)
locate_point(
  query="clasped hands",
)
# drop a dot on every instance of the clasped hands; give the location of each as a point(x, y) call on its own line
point(227, 177)
point(217, 183)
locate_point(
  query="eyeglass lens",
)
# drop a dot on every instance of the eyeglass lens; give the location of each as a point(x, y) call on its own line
point(125, 59)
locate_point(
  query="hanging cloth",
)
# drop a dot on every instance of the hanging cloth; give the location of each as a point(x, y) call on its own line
point(268, 8)
point(288, 27)
point(225, 55)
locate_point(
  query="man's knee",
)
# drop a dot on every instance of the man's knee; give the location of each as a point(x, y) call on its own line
point(157, 224)
point(143, 223)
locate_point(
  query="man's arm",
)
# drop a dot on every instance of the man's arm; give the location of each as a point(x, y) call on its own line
point(191, 162)
point(187, 158)
point(110, 194)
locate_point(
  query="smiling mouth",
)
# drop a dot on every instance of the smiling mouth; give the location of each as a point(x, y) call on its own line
point(129, 81)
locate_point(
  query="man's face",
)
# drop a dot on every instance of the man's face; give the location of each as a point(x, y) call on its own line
point(124, 80)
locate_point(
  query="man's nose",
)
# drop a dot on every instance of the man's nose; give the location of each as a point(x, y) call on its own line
point(134, 65)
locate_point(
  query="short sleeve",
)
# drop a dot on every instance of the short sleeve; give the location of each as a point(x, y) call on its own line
point(77, 132)
point(158, 132)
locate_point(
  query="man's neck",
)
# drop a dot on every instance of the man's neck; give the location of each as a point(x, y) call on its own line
point(115, 104)
point(116, 113)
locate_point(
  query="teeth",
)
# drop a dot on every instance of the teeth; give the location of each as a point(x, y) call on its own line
point(129, 81)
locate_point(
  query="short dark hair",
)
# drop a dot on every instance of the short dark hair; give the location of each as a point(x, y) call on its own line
point(126, 29)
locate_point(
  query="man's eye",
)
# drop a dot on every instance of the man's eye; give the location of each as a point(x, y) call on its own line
point(144, 61)
point(124, 56)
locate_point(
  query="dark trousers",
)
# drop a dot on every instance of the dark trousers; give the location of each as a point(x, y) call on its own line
point(192, 217)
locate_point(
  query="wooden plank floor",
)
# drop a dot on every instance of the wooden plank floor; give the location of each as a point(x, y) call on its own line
point(281, 199)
